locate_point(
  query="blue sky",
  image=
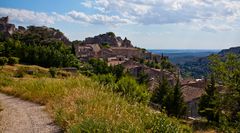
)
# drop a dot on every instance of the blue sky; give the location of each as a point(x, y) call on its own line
point(152, 24)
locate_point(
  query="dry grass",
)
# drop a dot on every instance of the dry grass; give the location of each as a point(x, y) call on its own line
point(80, 104)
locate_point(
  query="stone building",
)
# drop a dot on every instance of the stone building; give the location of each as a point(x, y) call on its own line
point(87, 51)
point(154, 75)
point(127, 52)
point(191, 96)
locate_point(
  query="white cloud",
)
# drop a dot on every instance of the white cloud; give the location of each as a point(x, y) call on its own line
point(97, 18)
point(26, 16)
point(22, 16)
point(215, 15)
point(148, 12)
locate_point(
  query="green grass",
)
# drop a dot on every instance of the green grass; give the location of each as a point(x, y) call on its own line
point(79, 104)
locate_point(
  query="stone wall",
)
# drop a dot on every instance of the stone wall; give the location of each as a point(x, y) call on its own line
point(127, 52)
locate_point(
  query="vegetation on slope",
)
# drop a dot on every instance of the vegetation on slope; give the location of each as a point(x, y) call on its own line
point(221, 105)
point(200, 67)
point(79, 104)
point(38, 49)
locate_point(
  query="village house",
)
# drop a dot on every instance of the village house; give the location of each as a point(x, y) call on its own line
point(87, 51)
point(191, 95)
point(154, 75)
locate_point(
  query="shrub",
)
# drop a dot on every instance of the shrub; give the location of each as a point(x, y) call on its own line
point(19, 74)
point(13, 60)
point(105, 45)
point(105, 79)
point(63, 74)
point(53, 71)
point(128, 86)
point(3, 61)
point(111, 34)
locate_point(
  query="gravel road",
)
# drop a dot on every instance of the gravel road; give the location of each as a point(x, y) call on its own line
point(19, 116)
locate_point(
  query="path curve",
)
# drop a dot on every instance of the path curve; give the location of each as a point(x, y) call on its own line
point(19, 116)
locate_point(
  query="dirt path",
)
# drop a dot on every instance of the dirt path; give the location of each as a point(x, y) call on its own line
point(20, 116)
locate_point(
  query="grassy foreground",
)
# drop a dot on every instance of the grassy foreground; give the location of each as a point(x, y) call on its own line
point(79, 104)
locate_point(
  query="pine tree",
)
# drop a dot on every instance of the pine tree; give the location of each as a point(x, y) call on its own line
point(207, 104)
point(178, 104)
point(142, 77)
point(161, 93)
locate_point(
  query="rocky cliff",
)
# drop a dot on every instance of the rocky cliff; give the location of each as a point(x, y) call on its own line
point(234, 50)
point(46, 34)
point(110, 39)
point(33, 34)
point(5, 28)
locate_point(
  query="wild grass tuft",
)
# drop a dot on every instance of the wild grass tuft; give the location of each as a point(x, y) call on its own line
point(79, 104)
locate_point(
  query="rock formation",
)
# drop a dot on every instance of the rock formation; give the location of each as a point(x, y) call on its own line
point(47, 34)
point(5, 28)
point(4, 20)
point(110, 39)
point(21, 29)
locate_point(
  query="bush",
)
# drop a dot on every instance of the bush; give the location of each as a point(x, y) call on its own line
point(63, 74)
point(53, 71)
point(19, 74)
point(3, 61)
point(111, 34)
point(13, 60)
point(105, 79)
point(128, 86)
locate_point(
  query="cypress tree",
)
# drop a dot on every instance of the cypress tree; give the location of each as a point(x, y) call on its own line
point(161, 93)
point(178, 104)
point(207, 104)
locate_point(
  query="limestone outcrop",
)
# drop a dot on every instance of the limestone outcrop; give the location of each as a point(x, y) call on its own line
point(5, 28)
point(47, 34)
point(109, 39)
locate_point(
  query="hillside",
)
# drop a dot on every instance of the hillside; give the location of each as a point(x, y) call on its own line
point(198, 68)
point(182, 56)
point(79, 104)
point(31, 34)
point(234, 50)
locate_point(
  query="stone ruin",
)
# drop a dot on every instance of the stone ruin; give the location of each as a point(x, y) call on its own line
point(110, 39)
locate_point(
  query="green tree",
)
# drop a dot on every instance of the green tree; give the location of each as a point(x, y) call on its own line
point(13, 60)
point(53, 71)
point(208, 102)
point(129, 87)
point(118, 71)
point(227, 70)
point(170, 98)
point(105, 79)
point(3, 61)
point(142, 77)
point(178, 105)
point(161, 94)
point(99, 66)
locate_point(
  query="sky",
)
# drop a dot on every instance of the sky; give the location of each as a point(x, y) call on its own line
point(151, 24)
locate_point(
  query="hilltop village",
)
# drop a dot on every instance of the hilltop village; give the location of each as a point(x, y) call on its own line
point(117, 51)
